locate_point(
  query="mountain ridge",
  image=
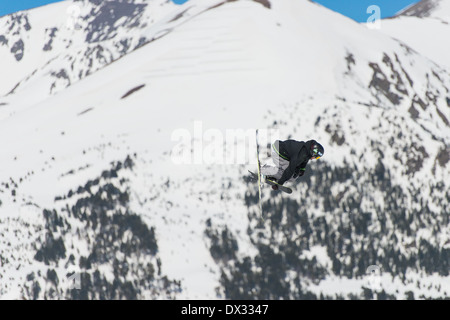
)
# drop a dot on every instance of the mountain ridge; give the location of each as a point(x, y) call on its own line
point(422, 9)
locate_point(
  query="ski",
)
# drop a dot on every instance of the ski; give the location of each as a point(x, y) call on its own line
point(272, 183)
point(280, 187)
point(259, 177)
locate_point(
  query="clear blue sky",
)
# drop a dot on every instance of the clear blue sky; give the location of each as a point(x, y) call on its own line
point(355, 9)
point(10, 6)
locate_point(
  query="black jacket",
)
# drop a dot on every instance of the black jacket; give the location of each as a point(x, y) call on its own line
point(297, 153)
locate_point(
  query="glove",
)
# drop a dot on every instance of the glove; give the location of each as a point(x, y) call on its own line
point(275, 187)
point(298, 173)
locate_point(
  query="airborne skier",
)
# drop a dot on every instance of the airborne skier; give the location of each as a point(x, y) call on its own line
point(290, 158)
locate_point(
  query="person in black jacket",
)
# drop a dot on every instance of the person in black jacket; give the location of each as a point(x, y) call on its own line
point(290, 158)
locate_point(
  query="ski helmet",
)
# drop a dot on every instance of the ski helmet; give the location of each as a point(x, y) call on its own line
point(317, 150)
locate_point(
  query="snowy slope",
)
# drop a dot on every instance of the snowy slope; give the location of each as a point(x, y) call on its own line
point(421, 26)
point(66, 41)
point(90, 182)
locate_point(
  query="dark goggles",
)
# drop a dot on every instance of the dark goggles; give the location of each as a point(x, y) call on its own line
point(316, 153)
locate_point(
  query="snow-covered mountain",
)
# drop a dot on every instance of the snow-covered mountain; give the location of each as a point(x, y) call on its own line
point(425, 27)
point(109, 124)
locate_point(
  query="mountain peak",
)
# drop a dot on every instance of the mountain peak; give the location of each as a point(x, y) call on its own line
point(426, 8)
